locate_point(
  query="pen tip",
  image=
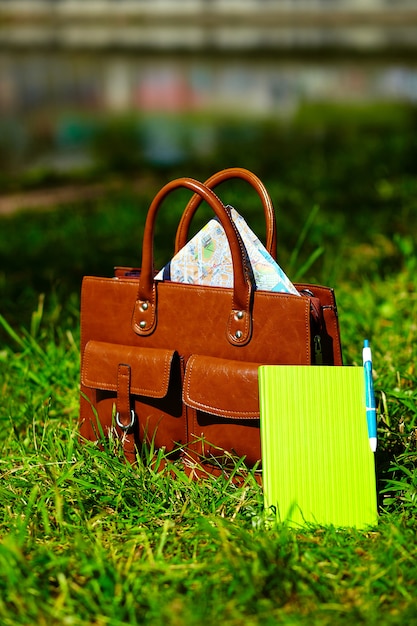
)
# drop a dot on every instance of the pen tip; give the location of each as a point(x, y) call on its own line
point(366, 343)
point(373, 443)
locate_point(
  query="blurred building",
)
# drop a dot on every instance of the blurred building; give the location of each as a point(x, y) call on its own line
point(63, 60)
point(209, 24)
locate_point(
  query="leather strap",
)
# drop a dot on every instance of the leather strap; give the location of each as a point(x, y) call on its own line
point(125, 416)
point(239, 324)
point(212, 183)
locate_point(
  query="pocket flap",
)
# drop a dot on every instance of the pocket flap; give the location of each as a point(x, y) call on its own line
point(150, 368)
point(222, 387)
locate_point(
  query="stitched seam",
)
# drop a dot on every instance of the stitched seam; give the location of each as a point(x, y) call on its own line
point(336, 339)
point(245, 415)
point(151, 393)
point(222, 290)
point(200, 405)
point(335, 324)
point(123, 379)
point(308, 334)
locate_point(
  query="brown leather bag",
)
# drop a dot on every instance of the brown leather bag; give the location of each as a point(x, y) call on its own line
point(176, 365)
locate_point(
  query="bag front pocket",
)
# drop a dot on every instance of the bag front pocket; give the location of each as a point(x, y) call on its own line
point(223, 397)
point(128, 387)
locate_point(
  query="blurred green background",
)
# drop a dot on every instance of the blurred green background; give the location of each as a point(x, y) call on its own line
point(99, 107)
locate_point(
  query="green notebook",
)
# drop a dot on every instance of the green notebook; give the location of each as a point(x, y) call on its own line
point(317, 463)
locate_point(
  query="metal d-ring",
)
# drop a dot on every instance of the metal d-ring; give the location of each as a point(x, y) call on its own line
point(132, 420)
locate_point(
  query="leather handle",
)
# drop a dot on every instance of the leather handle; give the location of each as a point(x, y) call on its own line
point(212, 183)
point(239, 326)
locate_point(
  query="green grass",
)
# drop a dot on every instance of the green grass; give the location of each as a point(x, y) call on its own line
point(87, 539)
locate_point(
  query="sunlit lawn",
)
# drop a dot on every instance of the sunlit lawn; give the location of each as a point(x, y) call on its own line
point(86, 539)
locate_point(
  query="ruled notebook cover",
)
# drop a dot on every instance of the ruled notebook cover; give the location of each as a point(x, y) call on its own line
point(317, 463)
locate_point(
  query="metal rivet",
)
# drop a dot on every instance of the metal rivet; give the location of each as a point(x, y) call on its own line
point(145, 306)
point(239, 315)
point(238, 334)
point(142, 324)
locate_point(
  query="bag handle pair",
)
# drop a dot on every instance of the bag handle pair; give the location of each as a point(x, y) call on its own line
point(212, 183)
point(239, 324)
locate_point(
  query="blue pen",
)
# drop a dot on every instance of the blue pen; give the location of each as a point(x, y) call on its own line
point(369, 396)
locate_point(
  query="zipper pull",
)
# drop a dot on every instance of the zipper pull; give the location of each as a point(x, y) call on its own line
point(318, 353)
